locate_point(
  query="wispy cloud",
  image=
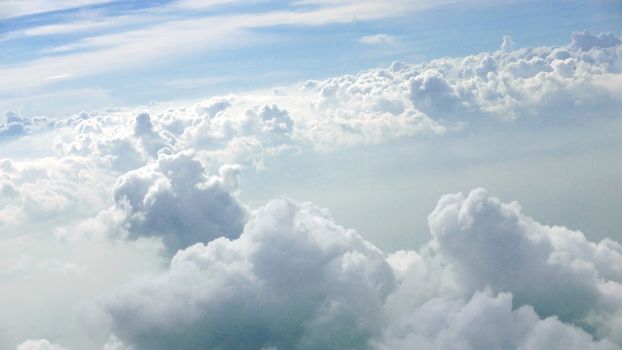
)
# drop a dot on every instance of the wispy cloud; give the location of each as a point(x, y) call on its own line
point(16, 8)
point(379, 39)
point(58, 77)
point(158, 38)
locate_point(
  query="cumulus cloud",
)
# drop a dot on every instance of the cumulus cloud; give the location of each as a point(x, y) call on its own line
point(49, 191)
point(557, 271)
point(41, 344)
point(14, 126)
point(176, 200)
point(126, 139)
point(151, 140)
point(432, 94)
point(106, 141)
point(546, 85)
point(486, 321)
point(540, 86)
point(114, 343)
point(489, 278)
point(293, 279)
point(585, 41)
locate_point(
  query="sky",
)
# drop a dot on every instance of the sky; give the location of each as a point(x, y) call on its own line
point(310, 174)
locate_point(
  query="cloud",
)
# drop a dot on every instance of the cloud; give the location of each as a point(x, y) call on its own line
point(538, 87)
point(128, 139)
point(585, 41)
point(505, 84)
point(114, 343)
point(15, 126)
point(48, 191)
point(486, 321)
point(555, 270)
point(41, 344)
point(506, 43)
point(15, 8)
point(489, 278)
point(432, 94)
point(110, 142)
point(175, 200)
point(378, 39)
point(293, 279)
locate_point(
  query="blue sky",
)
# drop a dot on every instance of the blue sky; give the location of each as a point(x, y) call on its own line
point(134, 52)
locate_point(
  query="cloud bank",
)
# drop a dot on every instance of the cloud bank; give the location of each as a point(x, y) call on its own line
point(489, 278)
point(531, 86)
point(285, 275)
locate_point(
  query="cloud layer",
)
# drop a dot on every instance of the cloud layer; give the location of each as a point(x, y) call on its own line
point(489, 278)
point(532, 86)
point(285, 275)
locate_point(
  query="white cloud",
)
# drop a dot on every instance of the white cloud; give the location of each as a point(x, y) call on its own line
point(378, 39)
point(293, 279)
point(15, 126)
point(114, 343)
point(485, 321)
point(557, 271)
point(175, 199)
point(41, 344)
point(489, 278)
point(542, 86)
point(585, 41)
point(15, 8)
point(49, 191)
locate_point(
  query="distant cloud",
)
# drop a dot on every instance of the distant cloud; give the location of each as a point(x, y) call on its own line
point(379, 39)
point(506, 43)
point(15, 126)
point(15, 8)
point(41, 344)
point(58, 77)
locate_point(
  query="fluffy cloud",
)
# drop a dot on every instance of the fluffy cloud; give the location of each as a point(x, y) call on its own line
point(108, 141)
point(113, 343)
point(485, 321)
point(546, 85)
point(489, 278)
point(122, 140)
point(541, 86)
point(49, 191)
point(176, 200)
point(41, 344)
point(585, 41)
point(557, 271)
point(15, 126)
point(293, 279)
